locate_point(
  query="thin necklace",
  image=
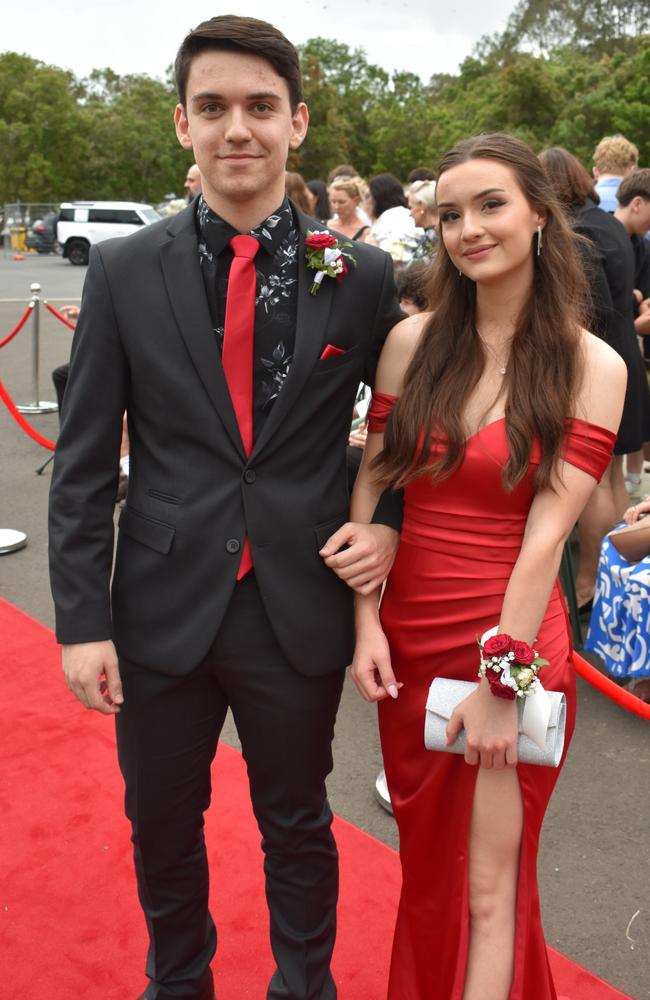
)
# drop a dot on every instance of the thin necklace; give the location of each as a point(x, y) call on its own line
point(501, 368)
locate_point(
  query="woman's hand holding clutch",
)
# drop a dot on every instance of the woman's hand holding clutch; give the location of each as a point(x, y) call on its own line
point(491, 728)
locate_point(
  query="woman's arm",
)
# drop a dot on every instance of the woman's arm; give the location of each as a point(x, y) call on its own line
point(491, 723)
point(371, 668)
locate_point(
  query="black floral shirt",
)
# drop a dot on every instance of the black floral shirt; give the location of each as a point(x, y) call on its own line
point(276, 265)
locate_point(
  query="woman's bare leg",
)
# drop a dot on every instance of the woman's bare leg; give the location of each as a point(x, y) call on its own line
point(494, 844)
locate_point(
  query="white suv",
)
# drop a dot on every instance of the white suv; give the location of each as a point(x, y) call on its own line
point(82, 223)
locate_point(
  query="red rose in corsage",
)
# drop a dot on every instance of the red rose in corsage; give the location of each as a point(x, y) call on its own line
point(509, 665)
point(524, 653)
point(327, 257)
point(497, 644)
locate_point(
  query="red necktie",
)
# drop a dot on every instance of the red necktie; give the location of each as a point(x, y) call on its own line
point(237, 353)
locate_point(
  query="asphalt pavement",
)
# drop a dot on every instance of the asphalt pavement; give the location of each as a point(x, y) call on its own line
point(595, 848)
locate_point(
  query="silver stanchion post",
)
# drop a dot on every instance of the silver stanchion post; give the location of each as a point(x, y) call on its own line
point(11, 540)
point(37, 405)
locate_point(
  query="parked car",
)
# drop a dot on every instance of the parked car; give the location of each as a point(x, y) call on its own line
point(83, 223)
point(41, 235)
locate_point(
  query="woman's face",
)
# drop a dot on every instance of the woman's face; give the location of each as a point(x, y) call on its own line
point(417, 210)
point(342, 204)
point(486, 221)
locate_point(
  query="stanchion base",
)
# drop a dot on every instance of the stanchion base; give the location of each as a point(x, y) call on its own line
point(381, 792)
point(40, 407)
point(11, 541)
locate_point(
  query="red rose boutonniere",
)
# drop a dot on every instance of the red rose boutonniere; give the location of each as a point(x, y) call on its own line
point(327, 257)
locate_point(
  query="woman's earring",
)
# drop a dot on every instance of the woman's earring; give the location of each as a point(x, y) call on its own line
point(460, 273)
point(539, 240)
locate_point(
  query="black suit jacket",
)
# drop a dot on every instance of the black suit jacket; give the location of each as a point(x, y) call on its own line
point(144, 343)
point(611, 274)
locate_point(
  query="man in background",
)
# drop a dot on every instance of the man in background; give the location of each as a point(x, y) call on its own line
point(193, 182)
point(614, 158)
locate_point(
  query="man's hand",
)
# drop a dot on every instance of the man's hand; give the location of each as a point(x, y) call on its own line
point(370, 553)
point(642, 322)
point(70, 312)
point(92, 673)
point(371, 667)
point(358, 437)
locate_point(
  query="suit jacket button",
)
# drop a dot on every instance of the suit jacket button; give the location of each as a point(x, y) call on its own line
point(232, 546)
point(250, 476)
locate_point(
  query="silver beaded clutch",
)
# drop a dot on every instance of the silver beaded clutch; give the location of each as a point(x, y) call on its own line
point(445, 694)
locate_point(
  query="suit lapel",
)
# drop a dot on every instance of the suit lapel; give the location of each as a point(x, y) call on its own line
point(184, 283)
point(312, 315)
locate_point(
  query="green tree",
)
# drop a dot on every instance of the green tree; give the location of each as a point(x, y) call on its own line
point(39, 120)
point(131, 150)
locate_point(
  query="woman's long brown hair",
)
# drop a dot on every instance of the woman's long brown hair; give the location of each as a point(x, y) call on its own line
point(544, 366)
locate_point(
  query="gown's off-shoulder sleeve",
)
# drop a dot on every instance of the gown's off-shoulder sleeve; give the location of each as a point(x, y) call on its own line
point(379, 412)
point(588, 446)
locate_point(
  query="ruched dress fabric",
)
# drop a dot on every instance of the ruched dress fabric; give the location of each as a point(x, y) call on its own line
point(459, 543)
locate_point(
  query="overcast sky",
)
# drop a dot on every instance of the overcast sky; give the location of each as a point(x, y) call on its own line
point(142, 36)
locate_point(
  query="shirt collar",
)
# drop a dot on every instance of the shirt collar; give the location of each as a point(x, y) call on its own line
point(217, 233)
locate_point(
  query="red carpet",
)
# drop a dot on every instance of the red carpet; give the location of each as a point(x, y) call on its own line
point(70, 927)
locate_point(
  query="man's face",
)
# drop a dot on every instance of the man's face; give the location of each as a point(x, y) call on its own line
point(238, 121)
point(640, 216)
point(193, 181)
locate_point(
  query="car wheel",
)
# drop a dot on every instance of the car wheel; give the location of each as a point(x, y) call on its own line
point(77, 252)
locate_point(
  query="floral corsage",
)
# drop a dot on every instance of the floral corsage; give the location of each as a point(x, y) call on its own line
point(510, 666)
point(326, 256)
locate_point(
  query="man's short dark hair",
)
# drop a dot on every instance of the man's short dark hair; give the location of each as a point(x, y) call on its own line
point(635, 185)
point(411, 284)
point(230, 33)
point(421, 174)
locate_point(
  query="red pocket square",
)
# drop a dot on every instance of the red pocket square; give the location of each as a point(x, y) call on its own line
point(331, 352)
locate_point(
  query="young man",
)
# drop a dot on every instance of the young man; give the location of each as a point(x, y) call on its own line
point(633, 212)
point(614, 158)
point(239, 383)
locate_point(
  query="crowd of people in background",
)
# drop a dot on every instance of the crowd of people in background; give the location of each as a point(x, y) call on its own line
point(610, 208)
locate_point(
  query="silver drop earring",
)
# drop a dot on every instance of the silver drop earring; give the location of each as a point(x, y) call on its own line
point(539, 240)
point(460, 273)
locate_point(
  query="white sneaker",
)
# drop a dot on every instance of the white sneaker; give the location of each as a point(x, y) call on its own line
point(633, 485)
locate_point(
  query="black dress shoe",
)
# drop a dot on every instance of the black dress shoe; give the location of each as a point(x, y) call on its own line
point(145, 996)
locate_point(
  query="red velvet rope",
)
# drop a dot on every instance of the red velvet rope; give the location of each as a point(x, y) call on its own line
point(55, 312)
point(607, 687)
point(20, 420)
point(19, 325)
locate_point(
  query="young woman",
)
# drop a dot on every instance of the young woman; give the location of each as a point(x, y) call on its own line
point(345, 196)
point(497, 415)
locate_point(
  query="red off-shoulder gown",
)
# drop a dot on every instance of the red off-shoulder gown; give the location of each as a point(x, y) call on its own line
point(459, 543)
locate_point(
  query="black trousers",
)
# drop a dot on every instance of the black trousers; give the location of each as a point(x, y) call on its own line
point(167, 735)
point(60, 380)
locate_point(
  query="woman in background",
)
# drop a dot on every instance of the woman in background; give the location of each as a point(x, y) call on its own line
point(345, 196)
point(297, 190)
point(424, 212)
point(393, 228)
point(322, 209)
